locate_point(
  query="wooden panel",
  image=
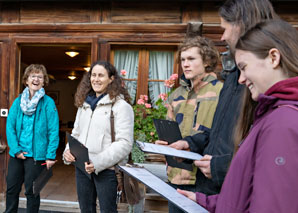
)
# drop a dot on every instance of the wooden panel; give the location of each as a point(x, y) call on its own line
point(96, 28)
point(146, 12)
point(10, 13)
point(210, 12)
point(14, 77)
point(287, 11)
point(143, 71)
point(191, 12)
point(104, 51)
point(4, 92)
point(105, 12)
point(58, 13)
point(214, 33)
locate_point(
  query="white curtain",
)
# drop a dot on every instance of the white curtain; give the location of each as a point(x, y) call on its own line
point(128, 60)
point(160, 68)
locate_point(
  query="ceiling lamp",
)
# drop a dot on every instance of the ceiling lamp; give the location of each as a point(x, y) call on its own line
point(72, 77)
point(72, 53)
point(87, 69)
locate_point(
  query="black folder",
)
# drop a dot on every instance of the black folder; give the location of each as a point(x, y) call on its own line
point(169, 131)
point(41, 180)
point(80, 152)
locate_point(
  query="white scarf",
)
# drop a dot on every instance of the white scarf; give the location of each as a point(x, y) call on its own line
point(29, 106)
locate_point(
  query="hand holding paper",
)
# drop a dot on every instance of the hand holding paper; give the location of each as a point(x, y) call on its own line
point(204, 165)
point(160, 142)
point(188, 194)
point(180, 145)
point(166, 150)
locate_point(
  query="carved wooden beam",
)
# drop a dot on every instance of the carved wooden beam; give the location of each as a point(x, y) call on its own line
point(194, 29)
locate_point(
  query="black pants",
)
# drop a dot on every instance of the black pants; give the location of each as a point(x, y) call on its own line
point(102, 186)
point(19, 172)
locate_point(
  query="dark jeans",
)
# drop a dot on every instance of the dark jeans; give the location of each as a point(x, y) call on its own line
point(19, 172)
point(173, 208)
point(103, 186)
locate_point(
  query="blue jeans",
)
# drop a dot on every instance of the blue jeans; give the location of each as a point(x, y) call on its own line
point(103, 186)
point(19, 172)
point(173, 208)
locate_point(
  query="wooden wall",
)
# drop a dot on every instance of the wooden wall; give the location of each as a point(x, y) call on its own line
point(173, 12)
point(100, 23)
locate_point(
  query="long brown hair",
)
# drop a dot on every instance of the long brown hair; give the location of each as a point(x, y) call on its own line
point(114, 89)
point(273, 34)
point(246, 13)
point(246, 118)
point(259, 41)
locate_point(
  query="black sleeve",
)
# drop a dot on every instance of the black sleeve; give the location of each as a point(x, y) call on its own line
point(219, 167)
point(198, 142)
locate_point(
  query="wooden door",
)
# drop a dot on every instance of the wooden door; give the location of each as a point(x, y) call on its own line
point(4, 105)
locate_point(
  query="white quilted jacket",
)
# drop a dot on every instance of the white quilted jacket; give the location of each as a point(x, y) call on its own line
point(93, 130)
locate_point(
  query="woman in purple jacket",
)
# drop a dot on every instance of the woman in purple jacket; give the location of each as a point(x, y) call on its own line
point(263, 174)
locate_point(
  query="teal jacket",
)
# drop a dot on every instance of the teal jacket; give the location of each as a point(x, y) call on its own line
point(45, 129)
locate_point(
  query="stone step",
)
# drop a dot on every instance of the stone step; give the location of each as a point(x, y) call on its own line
point(153, 204)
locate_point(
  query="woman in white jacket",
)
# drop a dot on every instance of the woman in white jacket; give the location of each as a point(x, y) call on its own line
point(100, 91)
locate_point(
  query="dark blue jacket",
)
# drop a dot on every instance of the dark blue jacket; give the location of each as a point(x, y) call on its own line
point(219, 143)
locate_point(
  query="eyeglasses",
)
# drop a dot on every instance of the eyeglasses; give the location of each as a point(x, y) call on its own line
point(39, 77)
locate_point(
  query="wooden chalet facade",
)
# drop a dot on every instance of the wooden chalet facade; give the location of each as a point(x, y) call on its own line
point(104, 26)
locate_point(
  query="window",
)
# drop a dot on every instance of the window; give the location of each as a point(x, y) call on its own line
point(146, 68)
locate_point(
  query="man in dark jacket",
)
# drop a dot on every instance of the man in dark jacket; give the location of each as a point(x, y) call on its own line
point(237, 16)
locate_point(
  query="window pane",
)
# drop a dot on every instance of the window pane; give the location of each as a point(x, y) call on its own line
point(128, 60)
point(161, 65)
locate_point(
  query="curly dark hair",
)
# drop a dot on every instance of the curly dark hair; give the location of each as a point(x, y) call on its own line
point(114, 89)
point(207, 50)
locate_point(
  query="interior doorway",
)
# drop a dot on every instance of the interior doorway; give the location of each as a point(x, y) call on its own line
point(65, 72)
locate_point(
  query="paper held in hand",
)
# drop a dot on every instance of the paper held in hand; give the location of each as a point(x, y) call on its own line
point(166, 150)
point(164, 189)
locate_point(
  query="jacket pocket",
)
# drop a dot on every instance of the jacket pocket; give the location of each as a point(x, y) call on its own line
point(95, 143)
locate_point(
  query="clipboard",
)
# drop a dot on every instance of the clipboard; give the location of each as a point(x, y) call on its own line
point(42, 180)
point(80, 152)
point(163, 189)
point(169, 131)
point(168, 151)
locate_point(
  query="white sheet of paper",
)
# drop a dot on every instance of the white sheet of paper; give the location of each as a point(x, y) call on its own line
point(166, 150)
point(164, 189)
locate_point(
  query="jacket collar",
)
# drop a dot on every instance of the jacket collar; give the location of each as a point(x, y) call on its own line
point(282, 93)
point(286, 89)
point(104, 101)
point(187, 83)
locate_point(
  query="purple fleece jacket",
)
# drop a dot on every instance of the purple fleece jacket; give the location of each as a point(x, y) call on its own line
point(263, 175)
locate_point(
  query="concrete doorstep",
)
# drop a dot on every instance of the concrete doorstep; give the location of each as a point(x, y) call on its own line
point(58, 205)
point(54, 205)
point(153, 204)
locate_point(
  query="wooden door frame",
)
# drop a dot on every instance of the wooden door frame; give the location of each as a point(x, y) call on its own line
point(17, 41)
point(10, 77)
point(4, 103)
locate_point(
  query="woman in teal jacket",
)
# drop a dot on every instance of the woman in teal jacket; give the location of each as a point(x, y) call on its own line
point(32, 130)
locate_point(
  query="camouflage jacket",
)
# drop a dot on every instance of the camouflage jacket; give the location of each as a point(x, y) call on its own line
point(194, 111)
